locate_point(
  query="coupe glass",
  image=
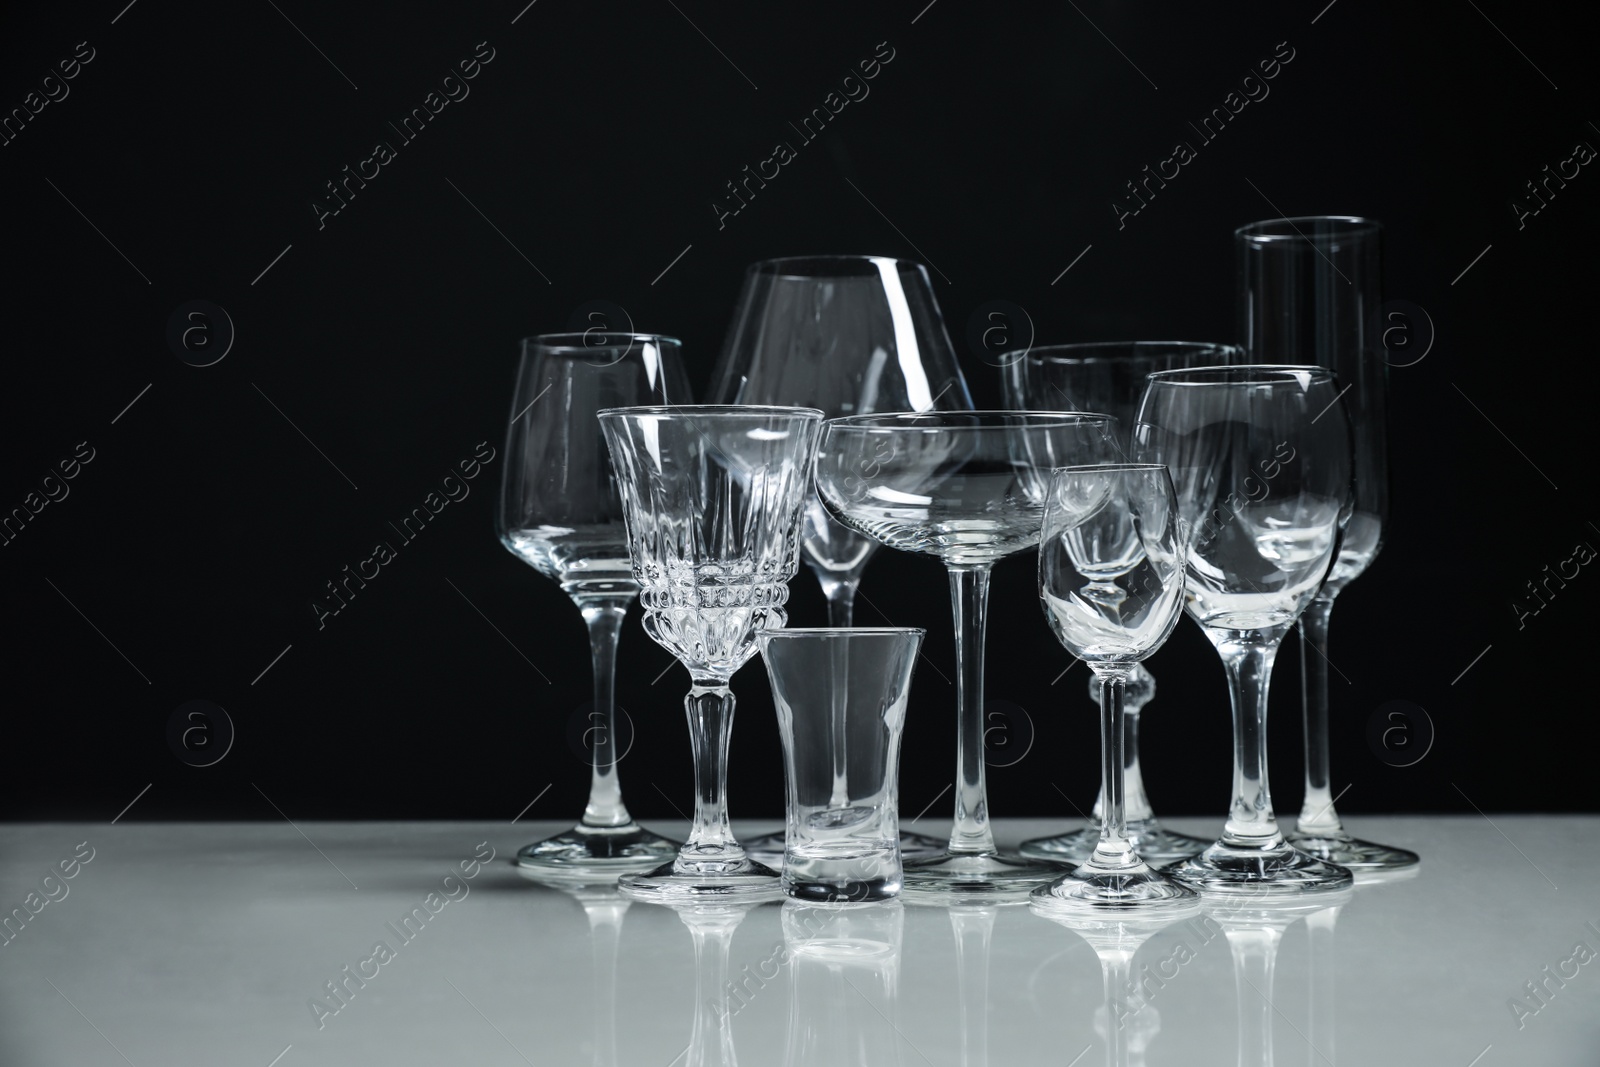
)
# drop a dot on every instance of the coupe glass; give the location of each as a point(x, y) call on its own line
point(1260, 457)
point(1308, 293)
point(560, 512)
point(849, 335)
point(968, 488)
point(712, 497)
point(1111, 564)
point(1109, 376)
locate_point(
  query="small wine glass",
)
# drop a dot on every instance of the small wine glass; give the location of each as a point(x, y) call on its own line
point(969, 489)
point(1111, 564)
point(849, 335)
point(711, 497)
point(560, 512)
point(1308, 292)
point(1260, 457)
point(1109, 376)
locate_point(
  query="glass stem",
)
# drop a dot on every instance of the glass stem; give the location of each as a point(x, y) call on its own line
point(969, 598)
point(1135, 802)
point(605, 928)
point(1316, 815)
point(1116, 971)
point(711, 1037)
point(1247, 656)
point(1321, 983)
point(605, 806)
point(1113, 852)
point(710, 708)
point(841, 594)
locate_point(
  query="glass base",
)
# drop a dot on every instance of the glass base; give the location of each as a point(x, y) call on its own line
point(1136, 892)
point(587, 853)
point(976, 878)
point(1350, 852)
point(703, 881)
point(1154, 843)
point(1273, 872)
point(768, 848)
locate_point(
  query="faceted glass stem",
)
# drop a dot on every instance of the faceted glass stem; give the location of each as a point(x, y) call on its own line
point(605, 807)
point(710, 709)
point(969, 598)
point(1317, 816)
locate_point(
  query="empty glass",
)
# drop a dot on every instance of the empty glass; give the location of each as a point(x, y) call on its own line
point(712, 497)
point(1308, 293)
point(1111, 582)
point(1109, 376)
point(841, 702)
point(850, 335)
point(844, 984)
point(560, 511)
point(1260, 457)
point(968, 488)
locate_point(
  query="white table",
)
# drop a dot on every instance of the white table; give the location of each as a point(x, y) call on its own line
point(204, 944)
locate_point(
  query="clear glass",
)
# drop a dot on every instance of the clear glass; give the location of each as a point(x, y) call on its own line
point(1111, 563)
point(844, 984)
point(1260, 457)
point(841, 702)
point(1109, 376)
point(850, 335)
point(969, 489)
point(1309, 292)
point(559, 511)
point(711, 498)
point(711, 926)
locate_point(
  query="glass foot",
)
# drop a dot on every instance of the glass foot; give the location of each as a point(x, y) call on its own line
point(1275, 871)
point(1154, 843)
point(1348, 851)
point(587, 853)
point(977, 877)
point(704, 880)
point(768, 848)
point(1136, 892)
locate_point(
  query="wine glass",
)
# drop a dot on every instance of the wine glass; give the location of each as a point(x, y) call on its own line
point(1109, 376)
point(1260, 457)
point(559, 511)
point(1308, 293)
point(1111, 562)
point(849, 335)
point(711, 497)
point(969, 489)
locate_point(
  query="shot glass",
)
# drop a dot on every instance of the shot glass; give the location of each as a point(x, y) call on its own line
point(841, 701)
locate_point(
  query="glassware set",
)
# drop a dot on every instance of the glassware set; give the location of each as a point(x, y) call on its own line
point(1244, 486)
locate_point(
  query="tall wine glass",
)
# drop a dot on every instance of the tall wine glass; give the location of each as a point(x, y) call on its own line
point(559, 511)
point(1261, 460)
point(1308, 293)
point(711, 497)
point(969, 489)
point(1111, 563)
point(850, 335)
point(1109, 376)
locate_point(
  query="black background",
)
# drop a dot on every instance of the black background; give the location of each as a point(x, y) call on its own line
point(596, 140)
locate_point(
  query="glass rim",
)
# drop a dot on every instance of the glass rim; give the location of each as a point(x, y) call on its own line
point(1103, 468)
point(896, 420)
point(579, 340)
point(1249, 374)
point(1054, 353)
point(713, 410)
point(1345, 226)
point(842, 631)
point(782, 266)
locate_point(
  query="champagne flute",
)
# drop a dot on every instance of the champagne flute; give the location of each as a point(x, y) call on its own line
point(1308, 293)
point(560, 512)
